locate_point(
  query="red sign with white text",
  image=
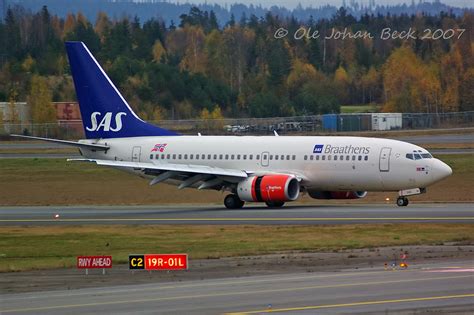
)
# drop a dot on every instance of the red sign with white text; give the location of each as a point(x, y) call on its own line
point(166, 262)
point(91, 262)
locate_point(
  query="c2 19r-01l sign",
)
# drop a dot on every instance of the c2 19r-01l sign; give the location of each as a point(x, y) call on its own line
point(158, 262)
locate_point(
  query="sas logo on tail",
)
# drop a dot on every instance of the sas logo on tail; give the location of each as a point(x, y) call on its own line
point(318, 148)
point(105, 122)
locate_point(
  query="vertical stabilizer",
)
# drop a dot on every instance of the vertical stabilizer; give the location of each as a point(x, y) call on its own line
point(105, 113)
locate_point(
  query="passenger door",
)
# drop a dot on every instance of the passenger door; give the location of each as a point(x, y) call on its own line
point(384, 161)
point(136, 153)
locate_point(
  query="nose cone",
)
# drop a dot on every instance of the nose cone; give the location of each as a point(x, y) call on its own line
point(440, 170)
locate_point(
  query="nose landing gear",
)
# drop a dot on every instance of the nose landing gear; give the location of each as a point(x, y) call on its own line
point(402, 201)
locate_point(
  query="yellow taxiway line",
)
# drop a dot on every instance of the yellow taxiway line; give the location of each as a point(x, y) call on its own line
point(315, 307)
point(221, 294)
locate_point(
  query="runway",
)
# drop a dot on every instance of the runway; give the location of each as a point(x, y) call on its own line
point(447, 286)
point(291, 214)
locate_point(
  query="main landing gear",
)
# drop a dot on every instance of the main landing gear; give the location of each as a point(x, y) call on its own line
point(402, 201)
point(233, 202)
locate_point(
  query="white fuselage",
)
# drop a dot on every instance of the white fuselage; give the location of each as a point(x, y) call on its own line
point(322, 163)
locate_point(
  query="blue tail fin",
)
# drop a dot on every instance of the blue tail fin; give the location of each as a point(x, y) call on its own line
point(105, 113)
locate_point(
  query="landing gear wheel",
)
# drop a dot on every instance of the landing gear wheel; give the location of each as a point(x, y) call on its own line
point(274, 204)
point(402, 201)
point(233, 202)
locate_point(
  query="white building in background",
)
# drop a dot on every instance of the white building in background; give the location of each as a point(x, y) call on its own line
point(386, 121)
point(20, 119)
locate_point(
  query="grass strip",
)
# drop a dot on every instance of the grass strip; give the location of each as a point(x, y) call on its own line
point(40, 247)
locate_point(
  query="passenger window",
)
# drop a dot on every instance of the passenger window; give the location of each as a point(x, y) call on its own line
point(360, 157)
point(157, 156)
point(251, 156)
point(366, 158)
point(353, 158)
point(174, 156)
point(191, 156)
point(238, 156)
point(220, 156)
point(282, 157)
point(180, 156)
point(293, 157)
point(347, 157)
point(341, 157)
point(323, 157)
point(276, 157)
point(151, 156)
point(311, 157)
point(271, 157)
point(258, 157)
point(232, 156)
point(329, 157)
point(185, 156)
point(197, 156)
point(317, 157)
point(215, 156)
point(227, 156)
point(168, 156)
point(288, 157)
point(335, 158)
point(244, 156)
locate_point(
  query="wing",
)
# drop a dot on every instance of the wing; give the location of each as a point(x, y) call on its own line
point(188, 175)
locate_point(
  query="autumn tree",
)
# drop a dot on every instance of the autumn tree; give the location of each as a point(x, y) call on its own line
point(40, 101)
point(466, 91)
point(194, 59)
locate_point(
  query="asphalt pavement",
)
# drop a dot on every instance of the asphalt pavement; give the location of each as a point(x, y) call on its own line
point(253, 214)
point(447, 286)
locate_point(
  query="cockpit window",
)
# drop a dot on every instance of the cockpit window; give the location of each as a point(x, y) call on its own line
point(409, 156)
point(417, 156)
point(426, 156)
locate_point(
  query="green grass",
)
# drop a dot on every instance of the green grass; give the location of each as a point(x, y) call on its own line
point(460, 163)
point(26, 248)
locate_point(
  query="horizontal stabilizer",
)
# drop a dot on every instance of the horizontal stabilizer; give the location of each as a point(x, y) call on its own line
point(92, 146)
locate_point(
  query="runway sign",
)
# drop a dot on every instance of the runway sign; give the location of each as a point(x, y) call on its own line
point(91, 262)
point(158, 262)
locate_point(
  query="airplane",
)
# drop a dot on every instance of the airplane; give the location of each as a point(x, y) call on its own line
point(270, 169)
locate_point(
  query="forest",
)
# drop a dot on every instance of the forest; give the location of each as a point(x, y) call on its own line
point(200, 68)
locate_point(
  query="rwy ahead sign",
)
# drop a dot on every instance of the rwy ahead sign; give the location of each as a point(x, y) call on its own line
point(90, 262)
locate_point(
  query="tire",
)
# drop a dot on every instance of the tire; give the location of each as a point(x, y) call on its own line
point(402, 201)
point(274, 204)
point(233, 202)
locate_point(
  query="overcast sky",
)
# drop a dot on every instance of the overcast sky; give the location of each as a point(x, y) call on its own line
point(316, 3)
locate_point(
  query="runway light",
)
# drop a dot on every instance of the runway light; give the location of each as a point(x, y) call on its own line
point(56, 216)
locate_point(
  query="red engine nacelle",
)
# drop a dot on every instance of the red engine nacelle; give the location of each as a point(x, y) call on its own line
point(317, 194)
point(269, 188)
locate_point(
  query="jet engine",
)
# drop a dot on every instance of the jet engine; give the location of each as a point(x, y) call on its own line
point(269, 188)
point(318, 194)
